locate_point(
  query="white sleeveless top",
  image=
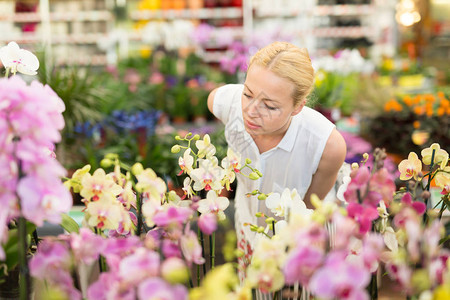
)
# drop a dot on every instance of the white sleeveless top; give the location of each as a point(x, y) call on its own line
point(291, 164)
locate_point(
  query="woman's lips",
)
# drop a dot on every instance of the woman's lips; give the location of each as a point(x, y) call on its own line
point(251, 125)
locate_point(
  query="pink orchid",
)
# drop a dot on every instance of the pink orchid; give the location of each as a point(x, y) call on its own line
point(172, 215)
point(363, 214)
point(302, 263)
point(156, 288)
point(350, 284)
point(192, 251)
point(86, 245)
point(418, 206)
point(138, 266)
point(207, 223)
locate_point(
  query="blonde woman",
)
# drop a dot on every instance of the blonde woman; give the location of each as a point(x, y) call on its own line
point(267, 121)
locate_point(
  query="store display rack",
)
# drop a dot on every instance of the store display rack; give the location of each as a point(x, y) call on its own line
point(75, 28)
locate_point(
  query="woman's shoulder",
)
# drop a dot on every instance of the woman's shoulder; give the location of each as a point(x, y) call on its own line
point(312, 121)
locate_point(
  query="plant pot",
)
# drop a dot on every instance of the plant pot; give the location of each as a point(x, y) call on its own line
point(10, 289)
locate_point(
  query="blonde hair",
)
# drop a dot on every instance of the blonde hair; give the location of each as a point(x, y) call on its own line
point(289, 62)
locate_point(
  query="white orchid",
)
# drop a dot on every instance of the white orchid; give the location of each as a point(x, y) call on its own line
point(207, 176)
point(205, 148)
point(186, 162)
point(18, 60)
point(213, 204)
point(288, 201)
point(232, 161)
point(187, 189)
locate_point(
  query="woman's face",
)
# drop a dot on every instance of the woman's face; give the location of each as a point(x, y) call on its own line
point(267, 104)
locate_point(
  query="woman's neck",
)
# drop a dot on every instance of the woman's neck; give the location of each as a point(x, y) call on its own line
point(266, 142)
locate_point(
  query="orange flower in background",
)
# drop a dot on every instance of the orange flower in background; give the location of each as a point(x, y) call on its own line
point(419, 110)
point(416, 124)
point(408, 100)
point(392, 105)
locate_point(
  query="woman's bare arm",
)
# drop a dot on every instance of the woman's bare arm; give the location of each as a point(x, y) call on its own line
point(332, 159)
point(211, 100)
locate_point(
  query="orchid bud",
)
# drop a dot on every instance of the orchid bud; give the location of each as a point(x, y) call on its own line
point(254, 192)
point(355, 166)
point(260, 229)
point(137, 169)
point(262, 197)
point(248, 161)
point(196, 137)
point(189, 134)
point(259, 214)
point(175, 149)
point(106, 163)
point(174, 270)
point(111, 156)
point(270, 220)
point(259, 173)
point(253, 176)
point(178, 138)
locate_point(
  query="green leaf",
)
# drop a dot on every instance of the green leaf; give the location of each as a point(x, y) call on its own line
point(69, 224)
point(11, 247)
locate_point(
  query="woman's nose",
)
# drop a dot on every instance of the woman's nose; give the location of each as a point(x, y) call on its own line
point(252, 108)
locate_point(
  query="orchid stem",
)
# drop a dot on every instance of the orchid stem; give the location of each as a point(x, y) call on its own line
point(212, 243)
point(24, 274)
point(24, 281)
point(139, 214)
point(427, 188)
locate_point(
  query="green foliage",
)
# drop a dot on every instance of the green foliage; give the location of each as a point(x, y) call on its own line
point(81, 90)
point(333, 90)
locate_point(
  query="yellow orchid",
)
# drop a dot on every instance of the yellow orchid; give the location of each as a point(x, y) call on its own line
point(442, 180)
point(104, 214)
point(151, 184)
point(439, 154)
point(99, 186)
point(410, 167)
point(75, 181)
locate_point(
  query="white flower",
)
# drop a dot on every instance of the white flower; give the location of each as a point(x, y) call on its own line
point(289, 201)
point(342, 188)
point(207, 176)
point(186, 162)
point(213, 204)
point(18, 60)
point(232, 160)
point(205, 148)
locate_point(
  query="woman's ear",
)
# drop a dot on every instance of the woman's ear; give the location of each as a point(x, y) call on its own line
point(298, 108)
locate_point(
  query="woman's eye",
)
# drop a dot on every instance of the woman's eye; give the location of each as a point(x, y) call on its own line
point(247, 96)
point(270, 107)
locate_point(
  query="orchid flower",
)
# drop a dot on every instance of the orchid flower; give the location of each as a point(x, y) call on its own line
point(99, 186)
point(18, 60)
point(205, 148)
point(213, 204)
point(411, 167)
point(150, 184)
point(207, 176)
point(289, 200)
point(186, 162)
point(442, 180)
point(439, 154)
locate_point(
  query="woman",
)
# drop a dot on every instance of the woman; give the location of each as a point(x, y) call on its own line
point(267, 121)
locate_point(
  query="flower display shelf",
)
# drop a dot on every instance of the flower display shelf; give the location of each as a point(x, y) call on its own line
point(203, 13)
